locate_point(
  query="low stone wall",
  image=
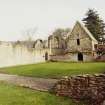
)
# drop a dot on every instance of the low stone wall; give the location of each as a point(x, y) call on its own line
point(59, 58)
point(89, 88)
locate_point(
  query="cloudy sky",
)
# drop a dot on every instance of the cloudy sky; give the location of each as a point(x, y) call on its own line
point(16, 16)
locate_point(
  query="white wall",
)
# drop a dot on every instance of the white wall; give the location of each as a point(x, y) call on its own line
point(16, 55)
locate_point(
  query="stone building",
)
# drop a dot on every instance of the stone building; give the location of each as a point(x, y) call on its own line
point(81, 44)
point(76, 45)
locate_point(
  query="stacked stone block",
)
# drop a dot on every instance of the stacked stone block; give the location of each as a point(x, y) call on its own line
point(90, 88)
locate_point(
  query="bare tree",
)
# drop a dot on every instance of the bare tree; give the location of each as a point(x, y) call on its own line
point(29, 33)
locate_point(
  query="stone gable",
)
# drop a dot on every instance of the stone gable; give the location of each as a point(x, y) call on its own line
point(84, 38)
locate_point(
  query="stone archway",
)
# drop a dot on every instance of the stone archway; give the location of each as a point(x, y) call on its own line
point(80, 56)
point(46, 56)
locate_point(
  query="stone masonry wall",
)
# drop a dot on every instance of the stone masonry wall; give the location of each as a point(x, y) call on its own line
point(19, 55)
point(85, 42)
point(89, 88)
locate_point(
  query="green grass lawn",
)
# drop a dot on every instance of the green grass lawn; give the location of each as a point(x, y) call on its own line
point(13, 95)
point(55, 69)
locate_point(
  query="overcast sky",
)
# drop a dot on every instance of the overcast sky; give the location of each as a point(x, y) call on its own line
point(17, 16)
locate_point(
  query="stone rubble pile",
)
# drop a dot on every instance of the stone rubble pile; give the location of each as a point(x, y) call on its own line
point(89, 88)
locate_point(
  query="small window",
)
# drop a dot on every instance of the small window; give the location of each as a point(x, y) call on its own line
point(78, 41)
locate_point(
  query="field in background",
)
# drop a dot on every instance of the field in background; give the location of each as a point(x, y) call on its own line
point(55, 69)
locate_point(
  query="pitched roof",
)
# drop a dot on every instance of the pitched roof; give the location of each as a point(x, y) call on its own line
point(87, 31)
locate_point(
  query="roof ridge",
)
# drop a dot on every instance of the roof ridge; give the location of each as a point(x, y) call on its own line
point(87, 31)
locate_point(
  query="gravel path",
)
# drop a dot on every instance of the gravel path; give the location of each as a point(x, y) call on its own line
point(40, 84)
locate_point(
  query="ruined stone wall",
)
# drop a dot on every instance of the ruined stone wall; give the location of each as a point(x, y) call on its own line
point(72, 57)
point(89, 88)
point(19, 54)
point(59, 58)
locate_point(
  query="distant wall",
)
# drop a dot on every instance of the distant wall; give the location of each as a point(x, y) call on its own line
point(19, 54)
point(90, 88)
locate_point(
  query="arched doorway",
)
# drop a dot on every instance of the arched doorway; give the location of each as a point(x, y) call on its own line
point(80, 56)
point(46, 56)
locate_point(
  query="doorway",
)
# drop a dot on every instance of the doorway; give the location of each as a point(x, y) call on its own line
point(80, 56)
point(46, 56)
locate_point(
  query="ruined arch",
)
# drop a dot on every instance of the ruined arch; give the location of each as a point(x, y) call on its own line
point(53, 42)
